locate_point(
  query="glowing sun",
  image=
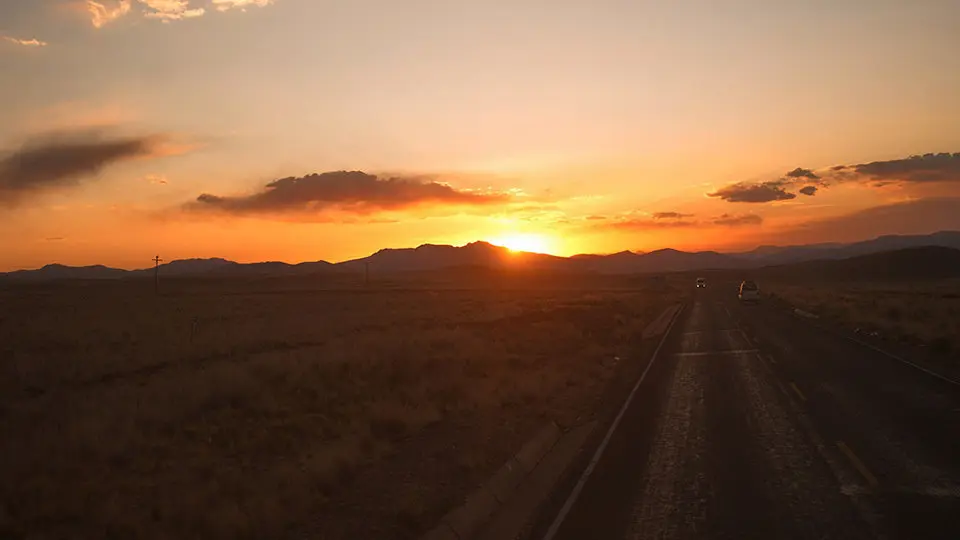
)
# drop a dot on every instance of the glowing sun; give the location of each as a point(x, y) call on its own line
point(534, 243)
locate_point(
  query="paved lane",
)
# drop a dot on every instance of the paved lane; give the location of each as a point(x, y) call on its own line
point(717, 448)
point(896, 427)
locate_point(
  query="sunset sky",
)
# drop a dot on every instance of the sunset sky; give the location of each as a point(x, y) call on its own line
point(327, 129)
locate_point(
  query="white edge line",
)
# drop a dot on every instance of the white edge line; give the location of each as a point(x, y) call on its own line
point(907, 362)
point(888, 354)
point(575, 494)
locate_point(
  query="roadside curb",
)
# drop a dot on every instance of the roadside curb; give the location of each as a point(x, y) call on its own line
point(504, 506)
point(468, 519)
point(660, 324)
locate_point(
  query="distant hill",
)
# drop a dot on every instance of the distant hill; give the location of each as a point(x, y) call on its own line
point(774, 255)
point(432, 257)
point(436, 257)
point(59, 271)
point(914, 263)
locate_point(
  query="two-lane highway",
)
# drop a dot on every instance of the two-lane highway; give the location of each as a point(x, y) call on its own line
point(753, 424)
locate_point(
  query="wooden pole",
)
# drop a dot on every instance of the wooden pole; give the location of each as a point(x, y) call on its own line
point(156, 274)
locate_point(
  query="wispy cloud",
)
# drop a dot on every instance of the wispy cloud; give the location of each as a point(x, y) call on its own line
point(63, 160)
point(226, 5)
point(737, 220)
point(352, 192)
point(103, 12)
point(671, 215)
point(171, 10)
point(107, 11)
point(156, 179)
point(25, 42)
point(676, 220)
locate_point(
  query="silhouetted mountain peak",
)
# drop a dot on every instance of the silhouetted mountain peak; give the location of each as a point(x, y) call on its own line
point(481, 254)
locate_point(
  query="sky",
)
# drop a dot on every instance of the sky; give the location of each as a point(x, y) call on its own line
point(300, 130)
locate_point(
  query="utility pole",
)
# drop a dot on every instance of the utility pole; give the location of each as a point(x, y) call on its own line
point(156, 274)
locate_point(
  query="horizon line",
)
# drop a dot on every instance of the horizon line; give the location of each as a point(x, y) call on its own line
point(517, 252)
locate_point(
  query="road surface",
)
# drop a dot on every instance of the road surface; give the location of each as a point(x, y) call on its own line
point(752, 423)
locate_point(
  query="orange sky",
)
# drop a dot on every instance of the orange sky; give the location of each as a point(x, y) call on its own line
point(201, 128)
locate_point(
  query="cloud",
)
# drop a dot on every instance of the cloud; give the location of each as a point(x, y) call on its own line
point(676, 220)
point(171, 10)
point(670, 215)
point(345, 191)
point(919, 169)
point(55, 239)
point(728, 220)
point(62, 160)
point(942, 167)
point(644, 224)
point(802, 173)
point(226, 5)
point(753, 193)
point(102, 14)
point(156, 179)
point(25, 42)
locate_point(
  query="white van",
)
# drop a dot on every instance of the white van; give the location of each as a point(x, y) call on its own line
point(749, 292)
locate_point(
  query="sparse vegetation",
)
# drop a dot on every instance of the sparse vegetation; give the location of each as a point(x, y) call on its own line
point(226, 411)
point(924, 315)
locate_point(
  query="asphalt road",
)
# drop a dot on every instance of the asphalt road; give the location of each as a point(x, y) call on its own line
point(754, 423)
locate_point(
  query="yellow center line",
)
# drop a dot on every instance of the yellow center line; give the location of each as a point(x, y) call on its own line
point(798, 392)
point(857, 464)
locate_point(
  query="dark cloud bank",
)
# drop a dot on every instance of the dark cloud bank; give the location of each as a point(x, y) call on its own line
point(351, 191)
point(63, 160)
point(926, 168)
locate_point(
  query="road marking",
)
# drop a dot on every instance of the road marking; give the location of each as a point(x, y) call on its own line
point(572, 499)
point(771, 359)
point(858, 465)
point(727, 310)
point(699, 332)
point(716, 353)
point(797, 391)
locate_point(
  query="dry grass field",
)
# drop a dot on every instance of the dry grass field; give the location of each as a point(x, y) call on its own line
point(266, 409)
point(924, 315)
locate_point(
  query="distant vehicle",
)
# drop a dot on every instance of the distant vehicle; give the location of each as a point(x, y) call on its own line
point(701, 283)
point(749, 292)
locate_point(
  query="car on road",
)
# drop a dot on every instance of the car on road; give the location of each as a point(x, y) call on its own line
point(701, 283)
point(749, 291)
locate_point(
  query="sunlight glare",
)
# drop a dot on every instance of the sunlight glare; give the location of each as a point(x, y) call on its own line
point(534, 243)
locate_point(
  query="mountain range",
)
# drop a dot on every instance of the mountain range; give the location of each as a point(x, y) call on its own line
point(484, 255)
